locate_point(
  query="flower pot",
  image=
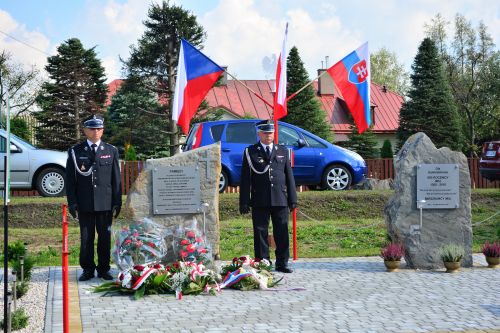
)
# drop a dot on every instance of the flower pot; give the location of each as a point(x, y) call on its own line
point(392, 265)
point(493, 262)
point(452, 266)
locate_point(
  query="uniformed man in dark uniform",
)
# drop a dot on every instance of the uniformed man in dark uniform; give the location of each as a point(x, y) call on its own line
point(94, 195)
point(267, 185)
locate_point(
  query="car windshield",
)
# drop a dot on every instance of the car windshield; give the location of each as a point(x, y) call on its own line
point(27, 144)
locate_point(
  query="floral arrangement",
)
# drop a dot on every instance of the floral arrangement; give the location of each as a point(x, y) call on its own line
point(392, 252)
point(452, 253)
point(491, 250)
point(181, 278)
point(139, 243)
point(193, 247)
point(245, 273)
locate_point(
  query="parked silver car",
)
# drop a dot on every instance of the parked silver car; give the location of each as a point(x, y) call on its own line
point(33, 168)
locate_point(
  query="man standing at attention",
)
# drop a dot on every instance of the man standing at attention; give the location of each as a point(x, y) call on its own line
point(94, 195)
point(267, 185)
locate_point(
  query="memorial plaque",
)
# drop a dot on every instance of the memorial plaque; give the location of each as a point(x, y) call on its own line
point(438, 186)
point(176, 190)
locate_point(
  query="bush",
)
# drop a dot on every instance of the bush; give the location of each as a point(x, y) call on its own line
point(491, 250)
point(393, 252)
point(452, 253)
point(19, 320)
point(130, 154)
point(386, 150)
point(16, 250)
point(28, 266)
point(19, 127)
point(22, 288)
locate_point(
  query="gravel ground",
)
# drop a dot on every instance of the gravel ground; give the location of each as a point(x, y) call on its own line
point(34, 301)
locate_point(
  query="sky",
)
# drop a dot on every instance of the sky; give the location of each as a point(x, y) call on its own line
point(245, 35)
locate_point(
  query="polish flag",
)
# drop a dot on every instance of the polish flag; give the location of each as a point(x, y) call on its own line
point(280, 95)
point(196, 74)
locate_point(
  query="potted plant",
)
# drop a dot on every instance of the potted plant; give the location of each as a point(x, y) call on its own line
point(392, 254)
point(492, 253)
point(452, 254)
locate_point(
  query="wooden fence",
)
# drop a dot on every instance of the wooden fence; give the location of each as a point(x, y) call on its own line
point(377, 168)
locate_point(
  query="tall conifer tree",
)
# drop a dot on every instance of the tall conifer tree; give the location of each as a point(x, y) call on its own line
point(154, 58)
point(75, 90)
point(430, 107)
point(304, 109)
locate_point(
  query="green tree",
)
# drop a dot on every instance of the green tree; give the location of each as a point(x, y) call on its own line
point(386, 150)
point(430, 108)
point(20, 127)
point(364, 144)
point(135, 118)
point(387, 71)
point(472, 68)
point(154, 58)
point(130, 154)
point(304, 109)
point(75, 90)
point(22, 85)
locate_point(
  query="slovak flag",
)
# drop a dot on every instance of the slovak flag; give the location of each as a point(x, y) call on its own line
point(280, 94)
point(352, 77)
point(196, 74)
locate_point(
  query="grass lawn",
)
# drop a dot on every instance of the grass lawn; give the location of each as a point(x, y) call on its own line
point(340, 228)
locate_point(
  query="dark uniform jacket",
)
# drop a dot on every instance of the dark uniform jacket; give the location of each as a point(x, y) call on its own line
point(99, 191)
point(276, 187)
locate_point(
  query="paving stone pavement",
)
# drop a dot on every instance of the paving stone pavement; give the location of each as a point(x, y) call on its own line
point(341, 295)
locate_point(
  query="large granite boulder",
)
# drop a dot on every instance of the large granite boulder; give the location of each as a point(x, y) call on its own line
point(206, 161)
point(439, 226)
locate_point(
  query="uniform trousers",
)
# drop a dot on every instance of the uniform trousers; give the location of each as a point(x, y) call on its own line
point(279, 218)
point(89, 223)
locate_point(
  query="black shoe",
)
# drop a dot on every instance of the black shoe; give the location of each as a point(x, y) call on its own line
point(86, 275)
point(284, 269)
point(105, 276)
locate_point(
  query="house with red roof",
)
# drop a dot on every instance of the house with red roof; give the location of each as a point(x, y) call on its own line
point(239, 102)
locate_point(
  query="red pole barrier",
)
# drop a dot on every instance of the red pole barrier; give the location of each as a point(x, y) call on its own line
point(294, 221)
point(65, 253)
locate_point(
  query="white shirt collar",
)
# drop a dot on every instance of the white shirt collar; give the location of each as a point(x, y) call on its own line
point(271, 145)
point(90, 143)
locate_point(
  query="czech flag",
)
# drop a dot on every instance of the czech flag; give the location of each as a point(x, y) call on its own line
point(196, 74)
point(352, 77)
point(280, 95)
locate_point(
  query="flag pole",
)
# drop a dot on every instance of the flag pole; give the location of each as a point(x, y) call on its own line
point(6, 187)
point(251, 90)
point(304, 87)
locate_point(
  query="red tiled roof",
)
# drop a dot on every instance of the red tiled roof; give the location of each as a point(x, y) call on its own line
point(239, 101)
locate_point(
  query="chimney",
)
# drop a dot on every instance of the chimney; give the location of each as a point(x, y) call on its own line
point(223, 77)
point(325, 83)
point(384, 88)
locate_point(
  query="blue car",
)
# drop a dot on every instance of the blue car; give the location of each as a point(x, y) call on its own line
point(317, 162)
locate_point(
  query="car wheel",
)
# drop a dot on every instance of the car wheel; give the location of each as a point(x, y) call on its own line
point(336, 177)
point(223, 181)
point(51, 182)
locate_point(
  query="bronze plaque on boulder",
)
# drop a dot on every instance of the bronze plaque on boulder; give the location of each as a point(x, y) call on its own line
point(176, 190)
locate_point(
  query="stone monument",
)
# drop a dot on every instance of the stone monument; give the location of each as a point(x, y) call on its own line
point(435, 183)
point(172, 191)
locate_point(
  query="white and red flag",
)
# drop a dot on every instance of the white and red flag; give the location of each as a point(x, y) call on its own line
point(280, 95)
